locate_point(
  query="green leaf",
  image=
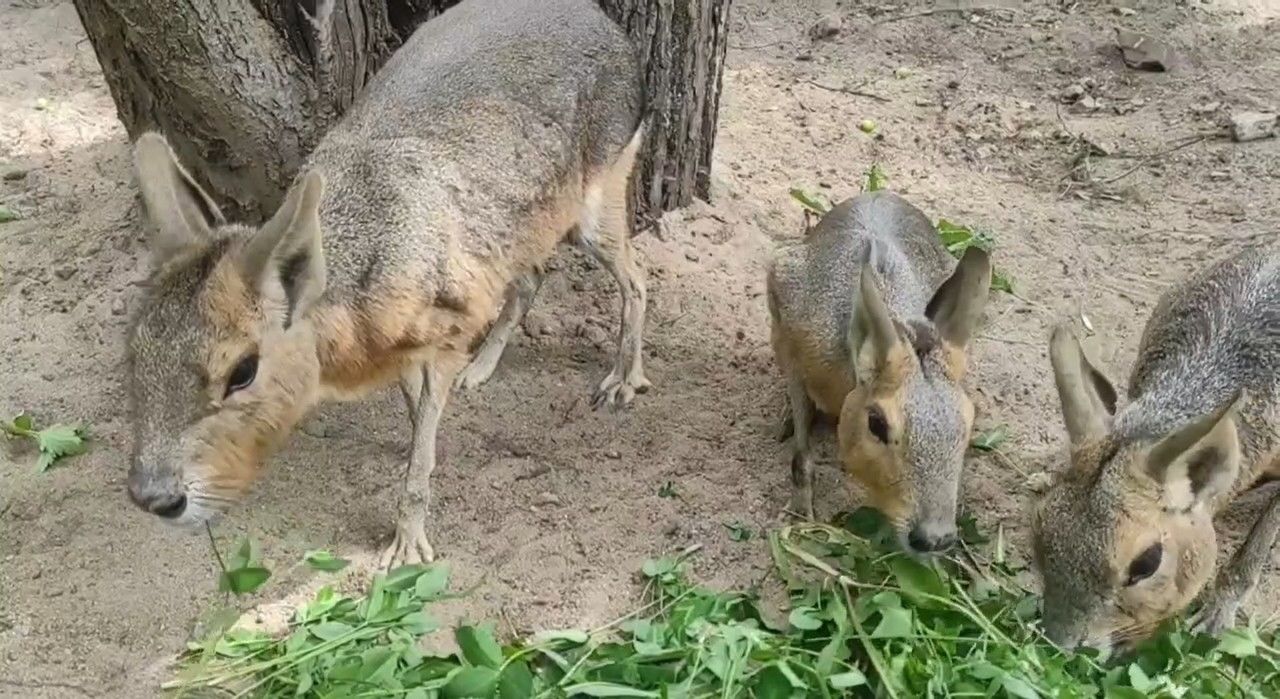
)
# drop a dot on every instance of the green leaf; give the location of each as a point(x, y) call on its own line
point(1139, 678)
point(329, 630)
point(245, 555)
point(471, 682)
point(567, 635)
point(58, 442)
point(656, 567)
point(1239, 643)
point(827, 658)
point(813, 202)
point(478, 646)
point(7, 214)
point(916, 579)
point(875, 179)
point(418, 623)
point(1016, 687)
point(1001, 282)
point(805, 619)
point(991, 439)
point(773, 683)
point(243, 581)
point(433, 583)
point(516, 681)
point(845, 680)
point(895, 622)
point(325, 561)
point(667, 490)
point(404, 577)
point(737, 531)
point(608, 689)
point(23, 424)
point(378, 664)
point(867, 522)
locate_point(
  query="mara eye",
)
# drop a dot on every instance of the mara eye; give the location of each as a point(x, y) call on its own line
point(243, 375)
point(877, 425)
point(1145, 565)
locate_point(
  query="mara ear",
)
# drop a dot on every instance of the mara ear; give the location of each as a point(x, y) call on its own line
point(957, 305)
point(1201, 459)
point(1088, 398)
point(284, 260)
point(183, 215)
point(872, 332)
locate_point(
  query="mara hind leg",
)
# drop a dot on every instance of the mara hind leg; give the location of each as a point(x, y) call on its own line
point(604, 230)
point(520, 296)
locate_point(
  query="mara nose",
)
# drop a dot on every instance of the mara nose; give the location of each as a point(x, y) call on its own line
point(159, 498)
point(927, 538)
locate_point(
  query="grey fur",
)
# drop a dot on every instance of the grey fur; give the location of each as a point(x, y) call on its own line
point(431, 181)
point(814, 291)
point(1211, 338)
point(471, 117)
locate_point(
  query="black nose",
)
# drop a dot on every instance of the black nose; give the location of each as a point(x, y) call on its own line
point(922, 540)
point(168, 507)
point(167, 502)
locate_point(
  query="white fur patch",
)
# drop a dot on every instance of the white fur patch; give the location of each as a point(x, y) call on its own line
point(589, 218)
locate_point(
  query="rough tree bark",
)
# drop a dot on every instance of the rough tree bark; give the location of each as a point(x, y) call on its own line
point(243, 89)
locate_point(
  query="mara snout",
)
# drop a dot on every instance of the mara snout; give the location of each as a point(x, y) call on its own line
point(871, 319)
point(1124, 538)
point(405, 253)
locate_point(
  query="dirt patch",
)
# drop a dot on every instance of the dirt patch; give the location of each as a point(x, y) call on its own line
point(983, 118)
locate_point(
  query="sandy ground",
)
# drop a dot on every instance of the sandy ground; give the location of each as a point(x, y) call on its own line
point(555, 506)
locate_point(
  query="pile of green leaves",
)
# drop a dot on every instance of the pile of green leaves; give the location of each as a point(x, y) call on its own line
point(956, 238)
point(55, 442)
point(863, 620)
point(968, 628)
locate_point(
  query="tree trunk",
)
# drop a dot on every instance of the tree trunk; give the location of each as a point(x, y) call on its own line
point(682, 46)
point(243, 89)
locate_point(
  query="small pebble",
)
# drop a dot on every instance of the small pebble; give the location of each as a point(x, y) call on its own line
point(1251, 126)
point(546, 499)
point(826, 28)
point(65, 272)
point(1039, 482)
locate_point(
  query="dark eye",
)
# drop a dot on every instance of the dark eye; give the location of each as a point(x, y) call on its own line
point(243, 375)
point(1145, 565)
point(877, 425)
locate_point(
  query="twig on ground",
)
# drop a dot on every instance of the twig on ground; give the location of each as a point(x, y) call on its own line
point(672, 320)
point(1008, 341)
point(940, 10)
point(749, 47)
point(849, 91)
point(1142, 162)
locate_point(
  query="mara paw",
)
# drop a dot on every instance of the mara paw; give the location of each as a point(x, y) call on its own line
point(1217, 615)
point(409, 546)
point(618, 392)
point(477, 372)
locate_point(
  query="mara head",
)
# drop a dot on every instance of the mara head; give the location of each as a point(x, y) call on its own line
point(221, 356)
point(1124, 537)
point(904, 429)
